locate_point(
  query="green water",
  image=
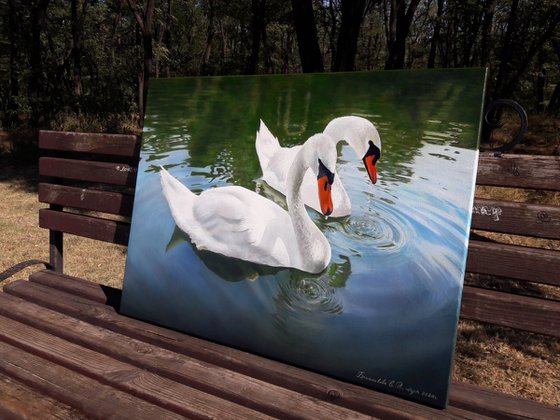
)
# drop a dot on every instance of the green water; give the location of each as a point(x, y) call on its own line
point(385, 309)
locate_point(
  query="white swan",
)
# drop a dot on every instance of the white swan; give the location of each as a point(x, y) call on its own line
point(240, 223)
point(275, 160)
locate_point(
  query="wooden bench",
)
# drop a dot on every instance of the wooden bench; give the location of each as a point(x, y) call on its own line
point(65, 352)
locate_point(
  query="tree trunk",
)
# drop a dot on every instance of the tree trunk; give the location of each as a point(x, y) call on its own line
point(400, 19)
point(76, 52)
point(167, 35)
point(205, 65)
point(12, 105)
point(308, 43)
point(145, 23)
point(509, 84)
point(38, 21)
point(435, 38)
point(507, 52)
point(489, 10)
point(258, 28)
point(147, 37)
point(352, 16)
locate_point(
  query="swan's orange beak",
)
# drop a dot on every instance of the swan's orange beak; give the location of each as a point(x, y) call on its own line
point(371, 167)
point(370, 161)
point(325, 197)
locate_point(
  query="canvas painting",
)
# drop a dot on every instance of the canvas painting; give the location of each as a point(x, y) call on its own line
point(320, 220)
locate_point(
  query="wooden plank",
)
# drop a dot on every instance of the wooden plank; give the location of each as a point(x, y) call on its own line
point(88, 199)
point(98, 143)
point(78, 391)
point(144, 385)
point(299, 380)
point(52, 335)
point(498, 405)
point(19, 401)
point(78, 287)
point(90, 227)
point(520, 312)
point(521, 171)
point(516, 262)
point(538, 220)
point(88, 171)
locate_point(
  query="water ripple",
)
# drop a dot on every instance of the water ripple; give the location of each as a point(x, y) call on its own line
point(308, 294)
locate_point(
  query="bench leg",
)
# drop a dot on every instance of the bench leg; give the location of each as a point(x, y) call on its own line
point(55, 247)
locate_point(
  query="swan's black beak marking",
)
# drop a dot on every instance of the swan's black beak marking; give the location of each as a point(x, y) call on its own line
point(325, 179)
point(370, 161)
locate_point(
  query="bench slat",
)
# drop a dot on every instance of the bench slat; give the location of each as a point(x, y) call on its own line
point(87, 226)
point(299, 380)
point(87, 395)
point(99, 143)
point(59, 332)
point(516, 262)
point(76, 286)
point(89, 171)
point(118, 374)
point(520, 312)
point(541, 221)
point(494, 404)
point(87, 199)
point(498, 406)
point(19, 401)
point(520, 171)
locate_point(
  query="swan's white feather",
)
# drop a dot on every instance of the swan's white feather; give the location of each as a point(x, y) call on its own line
point(240, 223)
point(232, 221)
point(278, 161)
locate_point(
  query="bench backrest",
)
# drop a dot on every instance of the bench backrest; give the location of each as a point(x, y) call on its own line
point(525, 261)
point(86, 173)
point(97, 173)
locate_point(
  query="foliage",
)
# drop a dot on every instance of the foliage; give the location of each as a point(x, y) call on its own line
point(62, 59)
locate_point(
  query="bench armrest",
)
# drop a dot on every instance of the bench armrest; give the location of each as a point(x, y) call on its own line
point(20, 266)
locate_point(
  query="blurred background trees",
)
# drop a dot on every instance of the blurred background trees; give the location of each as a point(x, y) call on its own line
point(91, 60)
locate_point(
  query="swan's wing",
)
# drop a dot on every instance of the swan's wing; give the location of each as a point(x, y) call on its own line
point(267, 145)
point(276, 173)
point(239, 223)
point(179, 198)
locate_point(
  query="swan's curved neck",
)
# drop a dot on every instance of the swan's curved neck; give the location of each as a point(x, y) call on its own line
point(310, 240)
point(340, 131)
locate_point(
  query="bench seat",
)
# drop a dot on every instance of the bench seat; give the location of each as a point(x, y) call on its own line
point(65, 347)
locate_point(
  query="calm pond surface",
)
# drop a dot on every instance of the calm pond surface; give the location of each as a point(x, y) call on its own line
point(384, 312)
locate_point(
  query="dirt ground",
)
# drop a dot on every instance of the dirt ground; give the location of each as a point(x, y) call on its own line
point(517, 363)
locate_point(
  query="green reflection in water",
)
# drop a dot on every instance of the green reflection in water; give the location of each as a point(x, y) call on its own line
point(215, 119)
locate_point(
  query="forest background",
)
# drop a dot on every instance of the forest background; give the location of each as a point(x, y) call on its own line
point(84, 65)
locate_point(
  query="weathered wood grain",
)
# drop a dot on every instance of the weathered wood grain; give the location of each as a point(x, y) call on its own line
point(537, 220)
point(521, 171)
point(498, 406)
point(138, 382)
point(516, 262)
point(286, 376)
point(88, 171)
point(86, 199)
point(98, 143)
point(78, 391)
point(56, 336)
point(88, 226)
point(76, 286)
point(520, 312)
point(18, 401)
